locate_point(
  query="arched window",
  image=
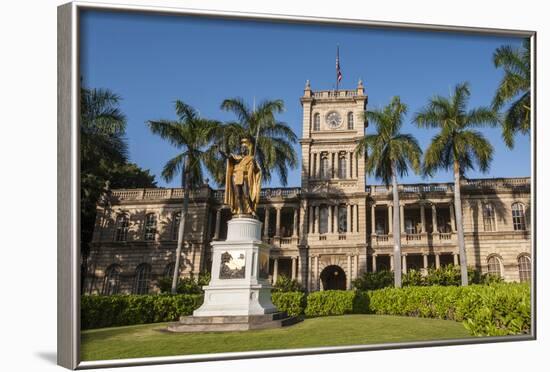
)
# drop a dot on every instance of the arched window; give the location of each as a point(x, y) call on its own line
point(316, 122)
point(150, 226)
point(350, 120)
point(342, 218)
point(342, 166)
point(176, 217)
point(323, 219)
point(111, 281)
point(494, 268)
point(524, 266)
point(324, 166)
point(122, 224)
point(489, 221)
point(518, 216)
point(142, 279)
point(169, 270)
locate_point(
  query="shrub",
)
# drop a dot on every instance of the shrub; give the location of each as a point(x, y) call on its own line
point(489, 310)
point(376, 280)
point(293, 303)
point(188, 285)
point(119, 310)
point(412, 277)
point(336, 303)
point(285, 284)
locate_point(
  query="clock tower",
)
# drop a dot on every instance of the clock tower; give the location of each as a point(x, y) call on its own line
point(333, 198)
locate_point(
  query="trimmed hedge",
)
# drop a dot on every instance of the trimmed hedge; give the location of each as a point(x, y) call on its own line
point(294, 303)
point(336, 303)
point(485, 310)
point(120, 310)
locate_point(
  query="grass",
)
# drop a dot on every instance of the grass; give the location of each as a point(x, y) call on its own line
point(149, 340)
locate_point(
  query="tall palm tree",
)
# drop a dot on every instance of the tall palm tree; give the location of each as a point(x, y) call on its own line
point(390, 154)
point(457, 146)
point(191, 134)
point(514, 88)
point(275, 139)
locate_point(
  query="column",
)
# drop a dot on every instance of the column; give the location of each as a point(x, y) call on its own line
point(452, 213)
point(295, 223)
point(309, 273)
point(278, 222)
point(351, 164)
point(314, 172)
point(402, 217)
point(357, 218)
point(423, 218)
point(218, 223)
point(319, 165)
point(390, 219)
point(391, 262)
point(434, 219)
point(266, 223)
point(348, 217)
point(275, 270)
point(374, 263)
point(317, 219)
point(348, 276)
point(299, 275)
point(356, 273)
point(425, 260)
point(455, 259)
point(404, 263)
point(317, 272)
point(311, 221)
point(330, 220)
point(336, 165)
point(437, 262)
point(336, 219)
point(372, 219)
point(293, 274)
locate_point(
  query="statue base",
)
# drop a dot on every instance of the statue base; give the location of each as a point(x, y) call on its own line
point(238, 296)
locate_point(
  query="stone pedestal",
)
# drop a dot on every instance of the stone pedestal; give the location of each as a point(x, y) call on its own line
point(240, 269)
point(238, 297)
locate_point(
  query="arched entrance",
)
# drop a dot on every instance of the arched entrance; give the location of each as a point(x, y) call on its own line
point(333, 277)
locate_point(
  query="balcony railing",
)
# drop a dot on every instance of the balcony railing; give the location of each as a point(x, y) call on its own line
point(413, 239)
point(334, 93)
point(475, 184)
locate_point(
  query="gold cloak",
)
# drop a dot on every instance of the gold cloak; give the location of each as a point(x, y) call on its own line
point(253, 178)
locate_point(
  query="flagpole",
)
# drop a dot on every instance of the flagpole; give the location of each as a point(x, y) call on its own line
point(337, 64)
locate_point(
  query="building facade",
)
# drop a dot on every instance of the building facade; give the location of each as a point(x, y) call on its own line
point(327, 232)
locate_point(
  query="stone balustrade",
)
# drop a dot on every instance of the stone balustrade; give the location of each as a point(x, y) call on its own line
point(334, 93)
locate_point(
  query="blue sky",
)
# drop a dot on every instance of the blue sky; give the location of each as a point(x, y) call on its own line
point(152, 60)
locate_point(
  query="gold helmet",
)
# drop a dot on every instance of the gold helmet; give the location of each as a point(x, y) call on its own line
point(248, 144)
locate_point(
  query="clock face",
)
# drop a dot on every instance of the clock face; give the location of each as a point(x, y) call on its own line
point(334, 119)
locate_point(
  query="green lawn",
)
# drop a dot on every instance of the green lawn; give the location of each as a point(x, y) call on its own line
point(150, 340)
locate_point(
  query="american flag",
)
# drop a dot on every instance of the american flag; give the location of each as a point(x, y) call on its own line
point(338, 70)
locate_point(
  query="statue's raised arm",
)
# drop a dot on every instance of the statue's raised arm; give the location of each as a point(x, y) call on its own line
point(243, 181)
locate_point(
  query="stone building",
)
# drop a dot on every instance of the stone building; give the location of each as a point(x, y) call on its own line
point(325, 233)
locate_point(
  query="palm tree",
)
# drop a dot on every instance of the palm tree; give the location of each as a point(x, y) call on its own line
point(457, 146)
point(191, 134)
point(514, 88)
point(102, 127)
point(275, 139)
point(390, 154)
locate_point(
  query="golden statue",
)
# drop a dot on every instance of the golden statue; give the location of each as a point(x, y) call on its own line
point(243, 179)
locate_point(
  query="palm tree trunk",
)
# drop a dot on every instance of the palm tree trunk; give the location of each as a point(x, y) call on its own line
point(181, 228)
point(460, 227)
point(396, 231)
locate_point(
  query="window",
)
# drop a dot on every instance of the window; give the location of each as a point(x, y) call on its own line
point(169, 270)
point(350, 120)
point(380, 226)
point(518, 216)
point(111, 281)
point(410, 227)
point(493, 264)
point(342, 164)
point(176, 217)
point(142, 278)
point(323, 219)
point(324, 166)
point(342, 218)
point(316, 122)
point(150, 226)
point(524, 264)
point(489, 222)
point(121, 233)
